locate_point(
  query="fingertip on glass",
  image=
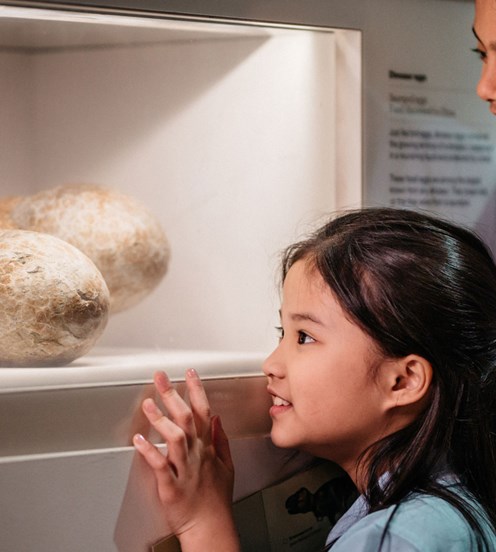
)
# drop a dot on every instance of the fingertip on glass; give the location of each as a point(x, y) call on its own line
point(139, 440)
point(192, 373)
point(149, 405)
point(161, 381)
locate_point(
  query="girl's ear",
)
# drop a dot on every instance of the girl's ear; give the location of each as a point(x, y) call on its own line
point(406, 382)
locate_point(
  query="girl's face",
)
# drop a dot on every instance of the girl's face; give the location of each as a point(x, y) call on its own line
point(325, 398)
point(485, 32)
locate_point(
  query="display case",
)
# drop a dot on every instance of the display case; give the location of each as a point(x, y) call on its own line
point(239, 137)
point(227, 132)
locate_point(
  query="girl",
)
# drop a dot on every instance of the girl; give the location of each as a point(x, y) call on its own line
point(386, 365)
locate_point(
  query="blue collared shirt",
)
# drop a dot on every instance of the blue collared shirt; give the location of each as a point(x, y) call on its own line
point(423, 523)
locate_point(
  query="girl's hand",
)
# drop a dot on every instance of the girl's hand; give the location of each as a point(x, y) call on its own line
point(195, 476)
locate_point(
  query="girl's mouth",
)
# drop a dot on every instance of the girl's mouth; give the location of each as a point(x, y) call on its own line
point(279, 405)
point(278, 401)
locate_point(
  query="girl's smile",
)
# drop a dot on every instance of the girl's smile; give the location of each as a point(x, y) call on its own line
point(280, 405)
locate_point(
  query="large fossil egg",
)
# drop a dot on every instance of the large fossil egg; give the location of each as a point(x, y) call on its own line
point(54, 301)
point(119, 234)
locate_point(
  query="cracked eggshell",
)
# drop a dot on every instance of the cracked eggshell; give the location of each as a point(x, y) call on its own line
point(119, 234)
point(54, 301)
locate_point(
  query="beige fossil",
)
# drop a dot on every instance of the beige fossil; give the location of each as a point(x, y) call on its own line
point(54, 300)
point(119, 234)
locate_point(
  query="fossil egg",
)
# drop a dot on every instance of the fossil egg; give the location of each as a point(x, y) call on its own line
point(119, 234)
point(54, 301)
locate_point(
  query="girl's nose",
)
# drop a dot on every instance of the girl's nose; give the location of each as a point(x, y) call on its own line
point(486, 88)
point(273, 366)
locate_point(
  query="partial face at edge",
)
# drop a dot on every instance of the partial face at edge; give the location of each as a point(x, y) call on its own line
point(485, 32)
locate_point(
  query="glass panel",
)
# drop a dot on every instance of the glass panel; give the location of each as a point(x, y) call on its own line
point(225, 131)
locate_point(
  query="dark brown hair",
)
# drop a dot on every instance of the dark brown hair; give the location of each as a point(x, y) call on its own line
point(418, 284)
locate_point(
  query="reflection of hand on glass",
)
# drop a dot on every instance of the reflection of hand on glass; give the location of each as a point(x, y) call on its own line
point(195, 477)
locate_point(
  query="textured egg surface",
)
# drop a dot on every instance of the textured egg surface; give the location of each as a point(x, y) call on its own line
point(54, 301)
point(119, 234)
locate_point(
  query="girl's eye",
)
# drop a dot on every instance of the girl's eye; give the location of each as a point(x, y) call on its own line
point(280, 332)
point(304, 338)
point(482, 55)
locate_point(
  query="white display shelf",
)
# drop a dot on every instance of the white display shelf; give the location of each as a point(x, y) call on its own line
point(114, 366)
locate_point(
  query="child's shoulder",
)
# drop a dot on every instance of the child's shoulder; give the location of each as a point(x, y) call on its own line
point(423, 523)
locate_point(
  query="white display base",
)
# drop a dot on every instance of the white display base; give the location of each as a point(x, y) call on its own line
point(115, 366)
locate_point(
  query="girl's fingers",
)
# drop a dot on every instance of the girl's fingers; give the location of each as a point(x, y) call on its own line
point(177, 409)
point(194, 420)
point(155, 459)
point(186, 425)
point(165, 472)
point(199, 405)
point(175, 437)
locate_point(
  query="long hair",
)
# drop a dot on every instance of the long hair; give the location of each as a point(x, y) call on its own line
point(420, 285)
